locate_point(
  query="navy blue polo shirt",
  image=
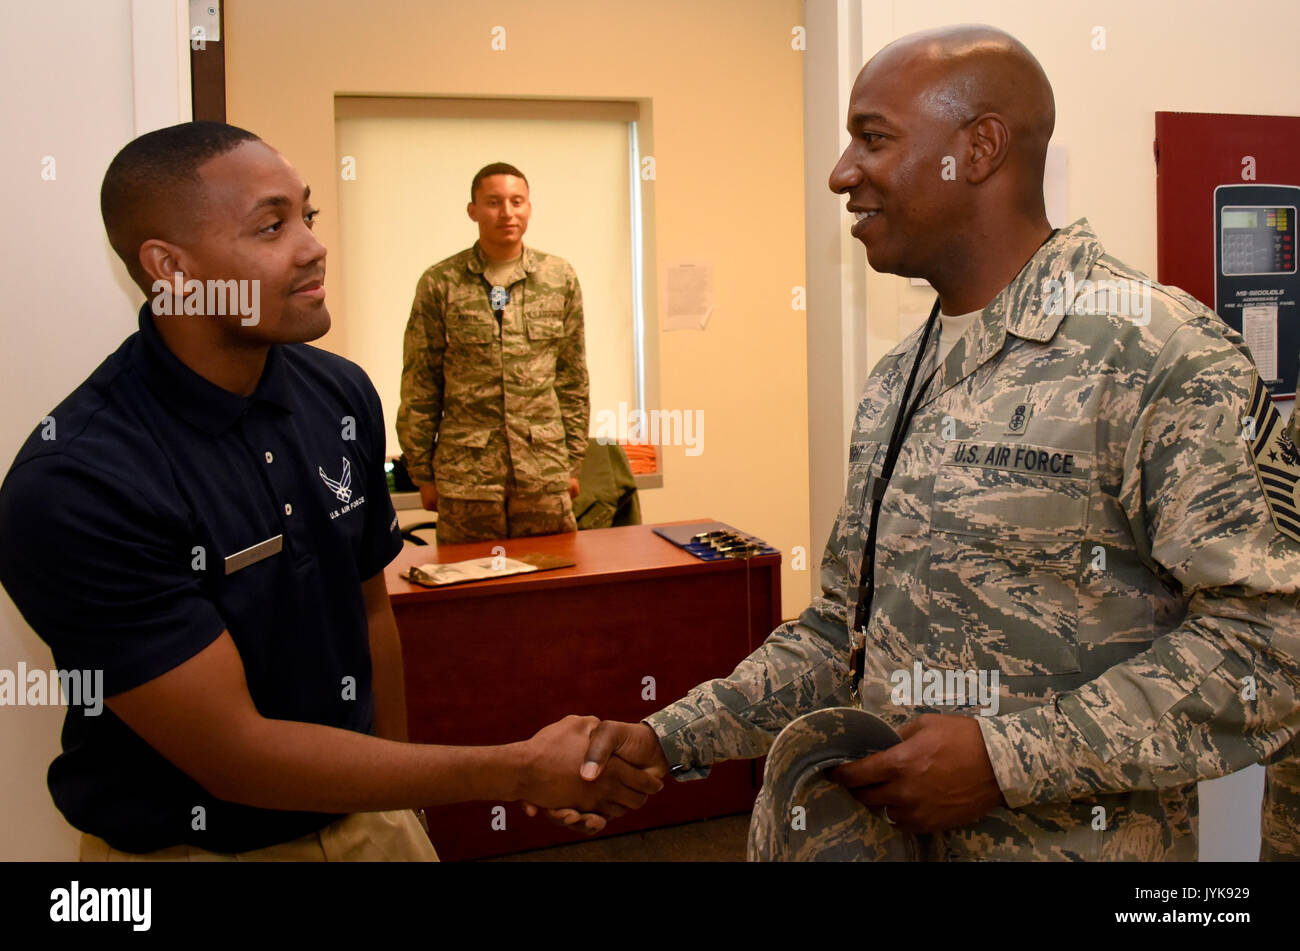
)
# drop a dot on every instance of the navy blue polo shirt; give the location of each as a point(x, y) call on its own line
point(119, 521)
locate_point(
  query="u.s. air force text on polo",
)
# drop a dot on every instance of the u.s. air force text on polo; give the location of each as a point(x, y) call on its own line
point(167, 510)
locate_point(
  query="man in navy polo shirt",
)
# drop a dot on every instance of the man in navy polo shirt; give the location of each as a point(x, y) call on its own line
point(205, 519)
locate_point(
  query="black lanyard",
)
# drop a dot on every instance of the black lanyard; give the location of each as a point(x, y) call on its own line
point(902, 422)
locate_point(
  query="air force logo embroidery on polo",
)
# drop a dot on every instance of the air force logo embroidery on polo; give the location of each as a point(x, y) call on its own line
point(342, 489)
point(1277, 461)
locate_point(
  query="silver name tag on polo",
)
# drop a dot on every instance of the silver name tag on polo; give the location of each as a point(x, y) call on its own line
point(253, 554)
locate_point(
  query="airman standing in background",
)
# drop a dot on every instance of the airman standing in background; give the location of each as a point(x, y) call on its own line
point(495, 401)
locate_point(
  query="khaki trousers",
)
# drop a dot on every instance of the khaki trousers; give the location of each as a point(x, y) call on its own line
point(394, 836)
point(476, 520)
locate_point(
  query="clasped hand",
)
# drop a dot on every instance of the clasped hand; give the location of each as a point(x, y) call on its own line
point(570, 770)
point(604, 768)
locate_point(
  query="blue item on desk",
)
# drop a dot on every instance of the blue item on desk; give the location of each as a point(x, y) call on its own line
point(696, 538)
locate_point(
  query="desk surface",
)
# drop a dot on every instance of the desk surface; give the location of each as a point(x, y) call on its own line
point(601, 555)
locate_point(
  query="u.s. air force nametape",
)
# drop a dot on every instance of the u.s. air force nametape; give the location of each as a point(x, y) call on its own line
point(1015, 457)
point(801, 815)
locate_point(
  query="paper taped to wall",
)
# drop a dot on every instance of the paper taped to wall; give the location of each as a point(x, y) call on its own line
point(688, 293)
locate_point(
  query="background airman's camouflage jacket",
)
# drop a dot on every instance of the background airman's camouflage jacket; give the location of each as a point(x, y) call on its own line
point(478, 396)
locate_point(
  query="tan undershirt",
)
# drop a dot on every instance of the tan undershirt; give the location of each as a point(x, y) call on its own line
point(951, 329)
point(498, 271)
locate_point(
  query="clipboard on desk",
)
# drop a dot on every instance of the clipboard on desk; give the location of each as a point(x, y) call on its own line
point(482, 569)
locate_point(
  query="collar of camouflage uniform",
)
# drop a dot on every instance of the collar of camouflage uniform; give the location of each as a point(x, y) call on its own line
point(1067, 259)
point(477, 262)
point(1021, 308)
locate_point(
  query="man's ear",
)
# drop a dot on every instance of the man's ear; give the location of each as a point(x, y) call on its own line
point(472, 210)
point(162, 261)
point(990, 143)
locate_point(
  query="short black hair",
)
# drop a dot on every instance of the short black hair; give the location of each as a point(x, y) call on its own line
point(148, 188)
point(496, 168)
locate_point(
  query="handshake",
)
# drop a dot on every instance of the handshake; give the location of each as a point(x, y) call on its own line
point(582, 771)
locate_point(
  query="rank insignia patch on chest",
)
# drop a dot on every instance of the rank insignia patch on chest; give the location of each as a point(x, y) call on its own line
point(1015, 415)
point(1277, 461)
point(1019, 416)
point(499, 297)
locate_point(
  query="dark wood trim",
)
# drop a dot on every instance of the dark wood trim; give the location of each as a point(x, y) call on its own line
point(208, 76)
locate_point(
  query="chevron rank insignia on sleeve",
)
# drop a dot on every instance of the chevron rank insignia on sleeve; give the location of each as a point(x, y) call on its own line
point(1277, 461)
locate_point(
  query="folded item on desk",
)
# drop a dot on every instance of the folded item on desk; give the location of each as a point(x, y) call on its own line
point(481, 569)
point(711, 541)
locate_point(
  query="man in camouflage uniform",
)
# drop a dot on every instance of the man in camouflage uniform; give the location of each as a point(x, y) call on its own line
point(495, 405)
point(1094, 501)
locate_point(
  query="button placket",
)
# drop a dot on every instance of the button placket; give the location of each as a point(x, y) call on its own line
point(256, 430)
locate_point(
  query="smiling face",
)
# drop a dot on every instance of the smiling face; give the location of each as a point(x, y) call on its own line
point(501, 208)
point(902, 130)
point(255, 223)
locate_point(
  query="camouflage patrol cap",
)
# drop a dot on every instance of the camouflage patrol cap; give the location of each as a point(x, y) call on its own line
point(801, 815)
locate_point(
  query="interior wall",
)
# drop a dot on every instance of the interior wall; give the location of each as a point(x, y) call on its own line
point(834, 272)
point(82, 80)
point(722, 85)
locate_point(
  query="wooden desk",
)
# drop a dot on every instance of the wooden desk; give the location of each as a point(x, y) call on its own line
point(495, 661)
